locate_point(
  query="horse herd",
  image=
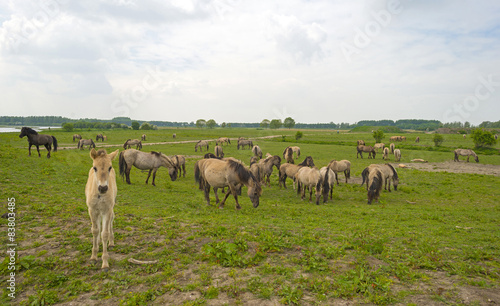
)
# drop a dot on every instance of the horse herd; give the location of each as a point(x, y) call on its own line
point(215, 172)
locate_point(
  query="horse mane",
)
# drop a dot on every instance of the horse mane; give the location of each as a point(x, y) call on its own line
point(376, 184)
point(304, 163)
point(101, 152)
point(156, 153)
point(30, 130)
point(395, 174)
point(210, 155)
point(243, 173)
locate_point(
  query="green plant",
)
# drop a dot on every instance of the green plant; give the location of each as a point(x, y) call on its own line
point(298, 135)
point(438, 139)
point(483, 138)
point(378, 135)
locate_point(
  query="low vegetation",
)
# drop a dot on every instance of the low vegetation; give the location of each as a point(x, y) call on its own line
point(435, 240)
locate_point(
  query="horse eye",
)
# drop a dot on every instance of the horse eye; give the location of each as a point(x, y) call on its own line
point(95, 169)
point(110, 168)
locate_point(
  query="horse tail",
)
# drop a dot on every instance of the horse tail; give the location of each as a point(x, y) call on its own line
point(348, 173)
point(364, 175)
point(229, 141)
point(325, 185)
point(78, 145)
point(122, 164)
point(54, 140)
point(197, 175)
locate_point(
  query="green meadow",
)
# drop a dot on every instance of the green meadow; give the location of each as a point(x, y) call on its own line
point(434, 241)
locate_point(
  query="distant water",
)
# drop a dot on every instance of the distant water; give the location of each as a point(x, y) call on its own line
point(10, 129)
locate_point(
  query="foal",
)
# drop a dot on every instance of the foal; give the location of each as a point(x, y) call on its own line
point(100, 192)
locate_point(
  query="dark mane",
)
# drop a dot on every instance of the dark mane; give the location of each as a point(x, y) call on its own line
point(156, 153)
point(101, 152)
point(243, 173)
point(393, 171)
point(30, 130)
point(305, 162)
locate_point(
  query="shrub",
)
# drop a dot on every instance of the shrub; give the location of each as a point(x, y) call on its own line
point(438, 139)
point(298, 135)
point(68, 127)
point(378, 135)
point(483, 138)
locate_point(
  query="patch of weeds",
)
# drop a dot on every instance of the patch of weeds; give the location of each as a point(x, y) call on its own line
point(313, 261)
point(229, 254)
point(262, 290)
point(78, 286)
point(270, 242)
point(211, 293)
point(290, 294)
point(43, 297)
point(140, 298)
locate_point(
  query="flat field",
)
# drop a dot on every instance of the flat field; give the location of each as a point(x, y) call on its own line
point(435, 241)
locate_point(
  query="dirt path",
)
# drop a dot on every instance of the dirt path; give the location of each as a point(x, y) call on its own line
point(158, 143)
point(456, 167)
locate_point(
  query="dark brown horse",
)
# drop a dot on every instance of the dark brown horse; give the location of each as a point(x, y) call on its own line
point(101, 137)
point(35, 139)
point(243, 142)
point(367, 149)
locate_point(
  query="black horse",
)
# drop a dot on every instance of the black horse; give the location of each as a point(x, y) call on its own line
point(38, 139)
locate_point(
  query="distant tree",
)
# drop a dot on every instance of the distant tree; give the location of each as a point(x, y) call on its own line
point(211, 123)
point(265, 123)
point(378, 135)
point(438, 139)
point(135, 125)
point(275, 124)
point(223, 125)
point(483, 138)
point(200, 123)
point(298, 135)
point(289, 122)
point(67, 127)
point(146, 126)
point(229, 125)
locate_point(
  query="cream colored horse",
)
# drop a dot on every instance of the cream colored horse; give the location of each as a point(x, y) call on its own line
point(146, 161)
point(397, 155)
point(257, 151)
point(289, 170)
point(327, 173)
point(180, 164)
point(100, 192)
point(340, 166)
point(131, 142)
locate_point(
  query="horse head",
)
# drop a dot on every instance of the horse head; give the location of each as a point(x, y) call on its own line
point(254, 191)
point(102, 168)
point(172, 169)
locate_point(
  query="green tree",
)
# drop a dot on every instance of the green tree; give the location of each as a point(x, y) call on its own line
point(438, 139)
point(378, 135)
point(265, 123)
point(275, 124)
point(67, 127)
point(200, 123)
point(482, 138)
point(146, 126)
point(135, 125)
point(298, 135)
point(211, 123)
point(223, 125)
point(289, 122)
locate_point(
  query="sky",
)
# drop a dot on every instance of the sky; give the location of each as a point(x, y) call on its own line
point(245, 61)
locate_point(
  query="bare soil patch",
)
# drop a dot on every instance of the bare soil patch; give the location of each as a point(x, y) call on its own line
point(456, 167)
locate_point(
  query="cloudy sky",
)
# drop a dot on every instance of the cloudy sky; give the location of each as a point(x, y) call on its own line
point(244, 61)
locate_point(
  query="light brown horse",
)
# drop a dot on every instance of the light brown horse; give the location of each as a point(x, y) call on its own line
point(200, 144)
point(389, 174)
point(378, 146)
point(367, 149)
point(35, 139)
point(143, 137)
point(392, 146)
point(417, 140)
point(180, 163)
point(360, 142)
point(295, 150)
point(100, 192)
point(130, 142)
point(397, 155)
point(77, 136)
point(289, 170)
point(340, 166)
point(222, 140)
point(145, 161)
point(101, 137)
point(218, 151)
point(311, 178)
point(465, 152)
point(328, 173)
point(374, 184)
point(217, 173)
point(85, 142)
point(266, 168)
point(288, 155)
point(386, 154)
point(257, 151)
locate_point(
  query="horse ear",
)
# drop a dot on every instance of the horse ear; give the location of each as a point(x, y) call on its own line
point(93, 153)
point(112, 155)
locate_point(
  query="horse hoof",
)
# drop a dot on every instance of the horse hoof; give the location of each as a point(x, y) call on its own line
point(105, 270)
point(93, 262)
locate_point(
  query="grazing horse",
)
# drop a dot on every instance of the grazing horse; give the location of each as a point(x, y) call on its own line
point(328, 173)
point(243, 142)
point(257, 151)
point(375, 181)
point(397, 155)
point(386, 154)
point(396, 138)
point(180, 164)
point(266, 168)
point(218, 151)
point(85, 142)
point(464, 136)
point(101, 137)
point(417, 140)
point(77, 136)
point(35, 139)
point(388, 174)
point(143, 137)
point(221, 140)
point(361, 148)
point(130, 142)
point(289, 170)
point(311, 178)
point(174, 135)
point(200, 144)
point(360, 142)
point(378, 146)
point(226, 173)
point(465, 152)
point(100, 192)
point(340, 166)
point(288, 155)
point(392, 146)
point(145, 161)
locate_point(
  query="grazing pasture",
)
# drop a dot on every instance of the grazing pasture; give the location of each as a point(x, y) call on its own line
point(433, 241)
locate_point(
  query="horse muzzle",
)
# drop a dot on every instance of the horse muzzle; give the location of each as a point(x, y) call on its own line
point(102, 189)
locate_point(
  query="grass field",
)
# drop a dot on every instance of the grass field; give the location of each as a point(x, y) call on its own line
point(434, 241)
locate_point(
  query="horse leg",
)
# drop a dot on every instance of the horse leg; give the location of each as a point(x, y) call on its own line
point(94, 219)
point(47, 146)
point(233, 190)
point(154, 176)
point(468, 158)
point(184, 170)
point(310, 193)
point(105, 240)
point(111, 234)
point(38, 150)
point(216, 196)
point(149, 174)
point(206, 190)
point(127, 173)
point(389, 183)
point(225, 198)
